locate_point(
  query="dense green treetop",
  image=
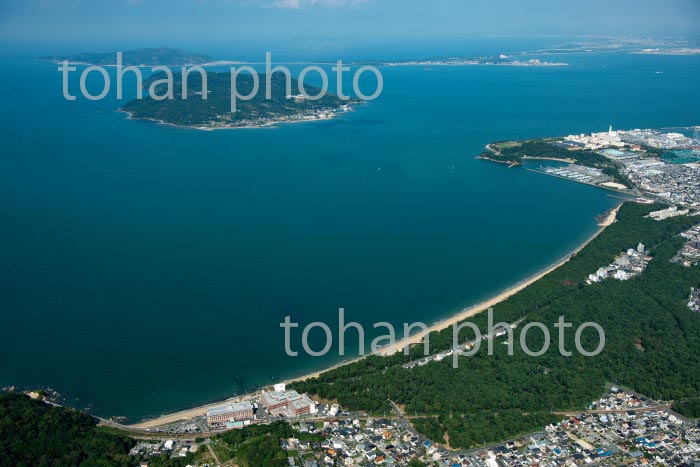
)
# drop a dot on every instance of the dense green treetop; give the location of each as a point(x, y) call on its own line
point(216, 111)
point(514, 152)
point(34, 434)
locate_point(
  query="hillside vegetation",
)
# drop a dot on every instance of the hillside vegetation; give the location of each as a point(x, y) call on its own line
point(34, 434)
point(515, 152)
point(215, 110)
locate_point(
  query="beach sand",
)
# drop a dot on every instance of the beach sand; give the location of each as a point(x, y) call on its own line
point(399, 345)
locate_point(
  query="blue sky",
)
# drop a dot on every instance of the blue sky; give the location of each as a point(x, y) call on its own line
point(323, 26)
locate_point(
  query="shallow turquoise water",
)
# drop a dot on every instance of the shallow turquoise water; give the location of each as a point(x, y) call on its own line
point(146, 268)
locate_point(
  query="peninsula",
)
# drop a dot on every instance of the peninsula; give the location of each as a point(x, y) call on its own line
point(654, 165)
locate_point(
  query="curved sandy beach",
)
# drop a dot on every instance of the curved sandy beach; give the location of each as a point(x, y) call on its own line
point(399, 345)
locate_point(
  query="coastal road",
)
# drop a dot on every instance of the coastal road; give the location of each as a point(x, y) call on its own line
point(140, 433)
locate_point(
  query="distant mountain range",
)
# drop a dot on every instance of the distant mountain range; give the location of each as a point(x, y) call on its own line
point(136, 57)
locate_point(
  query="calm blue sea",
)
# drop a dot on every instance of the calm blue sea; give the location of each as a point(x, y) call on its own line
point(145, 268)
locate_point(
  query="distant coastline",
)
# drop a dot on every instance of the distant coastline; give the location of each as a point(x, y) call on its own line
point(476, 62)
point(670, 51)
point(161, 56)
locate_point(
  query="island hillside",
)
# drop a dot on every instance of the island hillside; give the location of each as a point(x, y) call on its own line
point(215, 110)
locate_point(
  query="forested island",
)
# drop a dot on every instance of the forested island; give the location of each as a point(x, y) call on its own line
point(161, 56)
point(215, 111)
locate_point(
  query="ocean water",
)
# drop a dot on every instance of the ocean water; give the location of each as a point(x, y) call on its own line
point(145, 268)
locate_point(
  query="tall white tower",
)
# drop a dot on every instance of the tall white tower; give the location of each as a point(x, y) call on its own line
point(610, 131)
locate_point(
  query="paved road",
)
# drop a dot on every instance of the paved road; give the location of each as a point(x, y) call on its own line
point(402, 419)
point(140, 433)
point(213, 454)
point(406, 425)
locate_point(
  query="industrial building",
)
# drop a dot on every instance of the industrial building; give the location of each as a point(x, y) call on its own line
point(221, 415)
point(673, 211)
point(289, 403)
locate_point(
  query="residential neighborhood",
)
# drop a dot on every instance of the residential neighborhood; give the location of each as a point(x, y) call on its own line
point(621, 428)
point(626, 266)
point(689, 255)
point(663, 166)
point(694, 300)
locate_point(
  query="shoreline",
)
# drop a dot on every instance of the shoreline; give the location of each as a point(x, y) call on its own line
point(507, 293)
point(399, 345)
